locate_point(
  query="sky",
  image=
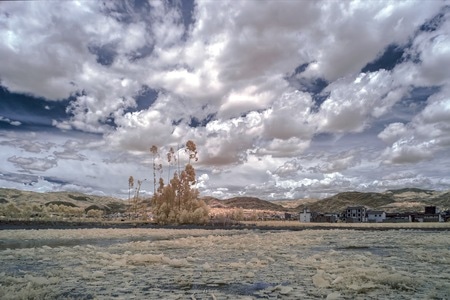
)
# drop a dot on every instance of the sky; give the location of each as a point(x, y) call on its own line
point(284, 99)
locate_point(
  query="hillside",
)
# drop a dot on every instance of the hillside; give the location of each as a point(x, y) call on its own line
point(408, 199)
point(252, 203)
point(73, 199)
point(243, 202)
point(340, 201)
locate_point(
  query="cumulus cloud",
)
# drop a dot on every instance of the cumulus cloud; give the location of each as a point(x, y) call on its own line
point(392, 132)
point(354, 101)
point(409, 151)
point(407, 179)
point(54, 65)
point(426, 135)
point(289, 117)
point(340, 162)
point(332, 56)
point(258, 85)
point(226, 142)
point(325, 185)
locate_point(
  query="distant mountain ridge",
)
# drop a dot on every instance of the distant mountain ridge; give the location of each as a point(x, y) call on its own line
point(406, 199)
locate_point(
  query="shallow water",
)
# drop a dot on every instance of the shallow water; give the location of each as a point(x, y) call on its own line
point(239, 264)
point(21, 244)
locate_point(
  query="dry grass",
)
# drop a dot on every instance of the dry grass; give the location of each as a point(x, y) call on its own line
point(405, 225)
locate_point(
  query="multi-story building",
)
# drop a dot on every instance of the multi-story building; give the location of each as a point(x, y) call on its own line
point(356, 214)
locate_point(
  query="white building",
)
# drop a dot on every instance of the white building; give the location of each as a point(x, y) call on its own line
point(305, 216)
point(376, 216)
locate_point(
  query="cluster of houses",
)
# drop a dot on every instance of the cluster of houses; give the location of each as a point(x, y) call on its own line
point(360, 214)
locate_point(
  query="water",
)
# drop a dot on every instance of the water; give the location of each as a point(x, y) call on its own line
point(239, 264)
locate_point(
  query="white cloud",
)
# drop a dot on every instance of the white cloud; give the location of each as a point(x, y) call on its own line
point(392, 132)
point(409, 151)
point(11, 122)
point(335, 51)
point(232, 71)
point(340, 162)
point(54, 66)
point(283, 148)
point(354, 101)
point(289, 117)
point(226, 142)
point(426, 135)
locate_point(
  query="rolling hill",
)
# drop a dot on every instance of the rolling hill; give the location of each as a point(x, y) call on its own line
point(21, 198)
point(243, 202)
point(407, 199)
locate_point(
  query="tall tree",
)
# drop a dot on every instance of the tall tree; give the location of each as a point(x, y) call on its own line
point(170, 159)
point(154, 152)
point(178, 201)
point(136, 199)
point(130, 187)
point(191, 149)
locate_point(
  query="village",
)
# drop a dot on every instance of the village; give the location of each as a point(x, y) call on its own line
point(350, 214)
point(361, 214)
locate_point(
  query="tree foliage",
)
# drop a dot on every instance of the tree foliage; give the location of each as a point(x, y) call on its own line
point(177, 201)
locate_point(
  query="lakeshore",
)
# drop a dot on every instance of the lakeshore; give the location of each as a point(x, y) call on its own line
point(260, 225)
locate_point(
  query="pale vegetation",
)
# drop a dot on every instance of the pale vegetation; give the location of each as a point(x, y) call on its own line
point(48, 212)
point(174, 202)
point(224, 264)
point(136, 205)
